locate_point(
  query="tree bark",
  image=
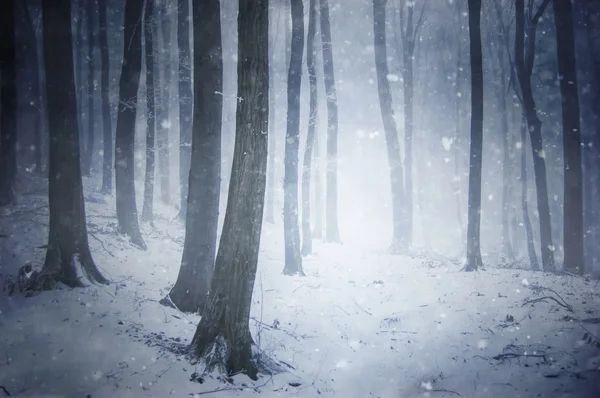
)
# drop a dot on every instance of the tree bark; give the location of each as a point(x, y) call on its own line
point(186, 102)
point(476, 151)
point(150, 47)
point(573, 176)
point(68, 247)
point(127, 214)
point(274, 28)
point(107, 135)
point(223, 336)
point(190, 292)
point(164, 87)
point(89, 148)
point(332, 233)
point(312, 125)
point(8, 102)
point(524, 201)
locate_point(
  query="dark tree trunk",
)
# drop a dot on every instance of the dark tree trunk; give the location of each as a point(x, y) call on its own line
point(389, 126)
point(107, 156)
point(524, 202)
point(8, 103)
point(78, 53)
point(197, 263)
point(186, 104)
point(68, 247)
point(475, 154)
point(127, 214)
point(274, 28)
point(332, 233)
point(163, 121)
point(291, 231)
point(312, 125)
point(524, 68)
point(89, 148)
point(149, 46)
point(223, 336)
point(573, 176)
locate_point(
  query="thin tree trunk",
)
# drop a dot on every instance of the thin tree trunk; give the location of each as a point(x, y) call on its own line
point(68, 247)
point(107, 156)
point(163, 121)
point(78, 52)
point(475, 157)
point(186, 101)
point(274, 28)
point(223, 336)
point(317, 232)
point(89, 148)
point(332, 233)
point(127, 214)
point(524, 202)
point(149, 46)
point(458, 137)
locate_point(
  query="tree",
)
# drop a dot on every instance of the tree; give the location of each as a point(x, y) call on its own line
point(107, 135)
point(68, 247)
point(89, 148)
point(185, 101)
point(332, 233)
point(475, 154)
point(190, 291)
point(524, 66)
point(312, 126)
point(163, 85)
point(8, 103)
point(149, 45)
point(389, 126)
point(573, 176)
point(293, 259)
point(129, 82)
point(223, 336)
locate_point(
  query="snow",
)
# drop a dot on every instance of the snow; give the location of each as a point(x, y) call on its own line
point(362, 323)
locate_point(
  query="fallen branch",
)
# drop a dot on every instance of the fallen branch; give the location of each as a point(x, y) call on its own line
point(511, 355)
point(537, 300)
point(361, 308)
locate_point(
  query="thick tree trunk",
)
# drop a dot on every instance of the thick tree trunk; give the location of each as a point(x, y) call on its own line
point(332, 233)
point(389, 125)
point(78, 54)
point(107, 135)
point(164, 87)
point(573, 176)
point(8, 103)
point(475, 154)
point(150, 47)
point(535, 131)
point(89, 148)
point(524, 201)
point(127, 214)
point(197, 263)
point(186, 102)
point(312, 125)
point(67, 236)
point(223, 336)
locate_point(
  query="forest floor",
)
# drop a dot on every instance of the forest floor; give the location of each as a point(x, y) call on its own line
point(362, 323)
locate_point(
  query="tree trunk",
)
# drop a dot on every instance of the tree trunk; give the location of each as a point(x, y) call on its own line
point(475, 154)
point(8, 103)
point(186, 101)
point(332, 233)
point(197, 263)
point(312, 125)
point(78, 53)
point(524, 202)
point(163, 121)
point(573, 176)
point(149, 46)
point(107, 156)
point(223, 336)
point(317, 232)
point(274, 29)
point(389, 126)
point(68, 247)
point(535, 130)
point(89, 148)
point(125, 134)
point(458, 126)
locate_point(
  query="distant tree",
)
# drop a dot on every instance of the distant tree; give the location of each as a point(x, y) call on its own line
point(127, 214)
point(476, 152)
point(8, 103)
point(68, 254)
point(149, 46)
point(332, 232)
point(293, 259)
point(90, 13)
point(573, 175)
point(107, 134)
point(312, 126)
point(190, 291)
point(389, 126)
point(163, 85)
point(223, 338)
point(186, 104)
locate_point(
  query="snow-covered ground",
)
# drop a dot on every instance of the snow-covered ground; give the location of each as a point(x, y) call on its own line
point(362, 323)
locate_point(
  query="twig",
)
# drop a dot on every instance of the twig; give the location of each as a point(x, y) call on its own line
point(361, 308)
point(537, 300)
point(5, 391)
point(510, 355)
point(101, 243)
point(444, 390)
point(335, 305)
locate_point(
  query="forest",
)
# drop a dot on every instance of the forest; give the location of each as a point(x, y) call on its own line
point(300, 198)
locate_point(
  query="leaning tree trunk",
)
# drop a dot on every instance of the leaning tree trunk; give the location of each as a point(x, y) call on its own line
point(332, 233)
point(127, 214)
point(291, 231)
point(89, 148)
point(68, 247)
point(389, 126)
point(190, 292)
point(524, 202)
point(149, 46)
point(107, 135)
point(186, 102)
point(475, 164)
point(573, 176)
point(164, 87)
point(8, 102)
point(312, 125)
